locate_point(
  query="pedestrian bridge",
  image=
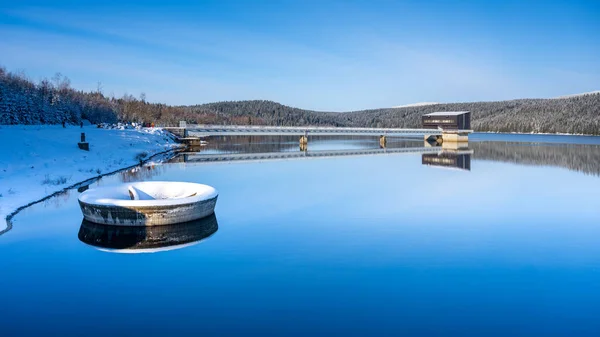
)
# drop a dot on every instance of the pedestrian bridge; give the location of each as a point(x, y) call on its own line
point(189, 133)
point(256, 130)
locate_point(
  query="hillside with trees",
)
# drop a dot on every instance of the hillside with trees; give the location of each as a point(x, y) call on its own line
point(269, 113)
point(53, 101)
point(577, 114)
point(48, 102)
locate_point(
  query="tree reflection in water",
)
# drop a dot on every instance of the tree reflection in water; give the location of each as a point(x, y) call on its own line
point(583, 158)
point(575, 157)
point(141, 173)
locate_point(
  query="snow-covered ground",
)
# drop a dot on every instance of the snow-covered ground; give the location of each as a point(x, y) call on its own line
point(38, 160)
point(415, 104)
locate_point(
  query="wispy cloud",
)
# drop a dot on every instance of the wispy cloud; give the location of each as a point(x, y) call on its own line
point(181, 60)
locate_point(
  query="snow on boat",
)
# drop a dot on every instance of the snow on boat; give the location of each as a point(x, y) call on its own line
point(143, 239)
point(150, 203)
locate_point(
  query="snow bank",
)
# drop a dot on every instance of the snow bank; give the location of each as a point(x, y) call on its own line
point(159, 193)
point(38, 160)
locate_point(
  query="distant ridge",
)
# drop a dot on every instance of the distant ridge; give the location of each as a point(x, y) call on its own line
point(572, 115)
point(55, 102)
point(580, 94)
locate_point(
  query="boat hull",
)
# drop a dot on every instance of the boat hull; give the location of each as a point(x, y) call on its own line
point(150, 203)
point(147, 215)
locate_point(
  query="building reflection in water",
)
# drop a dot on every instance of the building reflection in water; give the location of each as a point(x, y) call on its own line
point(140, 239)
point(454, 155)
point(456, 160)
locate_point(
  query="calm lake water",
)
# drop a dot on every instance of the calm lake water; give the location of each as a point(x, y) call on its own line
point(500, 239)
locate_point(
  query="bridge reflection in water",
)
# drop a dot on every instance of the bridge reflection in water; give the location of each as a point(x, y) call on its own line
point(141, 239)
point(432, 154)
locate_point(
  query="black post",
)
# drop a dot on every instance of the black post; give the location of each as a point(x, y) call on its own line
point(83, 144)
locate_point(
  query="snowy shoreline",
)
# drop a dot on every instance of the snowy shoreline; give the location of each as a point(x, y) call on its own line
point(40, 161)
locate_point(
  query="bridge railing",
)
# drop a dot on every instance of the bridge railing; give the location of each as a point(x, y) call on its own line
point(262, 130)
point(307, 128)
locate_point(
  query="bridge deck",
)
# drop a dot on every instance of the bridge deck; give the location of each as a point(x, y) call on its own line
point(255, 130)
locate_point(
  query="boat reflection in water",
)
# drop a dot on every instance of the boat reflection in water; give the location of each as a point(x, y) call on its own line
point(142, 239)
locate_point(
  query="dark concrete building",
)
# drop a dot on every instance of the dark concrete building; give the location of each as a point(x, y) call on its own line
point(454, 120)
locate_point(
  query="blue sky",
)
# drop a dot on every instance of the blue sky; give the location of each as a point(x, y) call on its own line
point(323, 55)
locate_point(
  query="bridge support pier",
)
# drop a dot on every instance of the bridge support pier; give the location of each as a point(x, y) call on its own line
point(382, 142)
point(433, 138)
point(303, 143)
point(448, 137)
point(191, 141)
point(455, 137)
point(455, 146)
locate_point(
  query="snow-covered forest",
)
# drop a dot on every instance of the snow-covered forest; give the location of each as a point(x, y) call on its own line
point(48, 102)
point(52, 101)
point(578, 114)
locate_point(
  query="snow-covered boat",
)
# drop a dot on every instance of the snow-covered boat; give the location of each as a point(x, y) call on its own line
point(148, 203)
point(142, 239)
